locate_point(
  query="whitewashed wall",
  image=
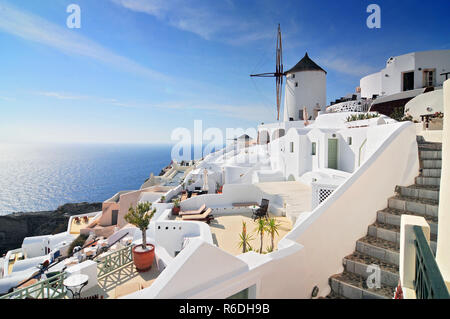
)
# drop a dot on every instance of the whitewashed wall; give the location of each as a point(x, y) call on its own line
point(311, 90)
point(313, 250)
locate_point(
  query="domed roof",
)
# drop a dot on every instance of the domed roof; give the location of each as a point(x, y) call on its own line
point(305, 64)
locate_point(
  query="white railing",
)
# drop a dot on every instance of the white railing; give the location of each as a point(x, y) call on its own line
point(320, 192)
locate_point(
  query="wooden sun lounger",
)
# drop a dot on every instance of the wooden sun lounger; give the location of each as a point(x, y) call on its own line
point(206, 216)
point(193, 212)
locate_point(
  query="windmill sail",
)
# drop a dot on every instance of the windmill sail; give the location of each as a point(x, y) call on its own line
point(279, 72)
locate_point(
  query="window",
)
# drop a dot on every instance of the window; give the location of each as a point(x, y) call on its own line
point(296, 84)
point(349, 140)
point(293, 76)
point(292, 147)
point(408, 81)
point(428, 78)
point(313, 148)
point(248, 293)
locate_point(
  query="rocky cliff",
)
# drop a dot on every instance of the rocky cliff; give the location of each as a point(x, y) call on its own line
point(15, 227)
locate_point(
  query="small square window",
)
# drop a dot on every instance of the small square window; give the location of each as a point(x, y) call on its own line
point(296, 84)
point(349, 140)
point(313, 148)
point(293, 76)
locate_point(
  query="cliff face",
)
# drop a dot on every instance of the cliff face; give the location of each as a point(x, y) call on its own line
point(15, 227)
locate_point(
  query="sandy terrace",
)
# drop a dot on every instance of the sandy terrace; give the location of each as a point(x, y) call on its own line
point(76, 227)
point(225, 231)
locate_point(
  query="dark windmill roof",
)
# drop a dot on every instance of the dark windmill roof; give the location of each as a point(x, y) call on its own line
point(243, 137)
point(305, 64)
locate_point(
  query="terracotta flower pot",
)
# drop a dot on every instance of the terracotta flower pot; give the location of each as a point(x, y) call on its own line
point(143, 259)
point(175, 211)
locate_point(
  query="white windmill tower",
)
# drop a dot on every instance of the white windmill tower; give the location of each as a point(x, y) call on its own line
point(306, 87)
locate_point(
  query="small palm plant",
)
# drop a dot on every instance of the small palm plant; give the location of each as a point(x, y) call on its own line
point(272, 226)
point(140, 217)
point(261, 230)
point(245, 239)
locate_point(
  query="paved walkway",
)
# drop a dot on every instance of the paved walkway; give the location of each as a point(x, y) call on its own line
point(296, 195)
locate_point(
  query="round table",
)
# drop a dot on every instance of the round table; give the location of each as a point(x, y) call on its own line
point(75, 283)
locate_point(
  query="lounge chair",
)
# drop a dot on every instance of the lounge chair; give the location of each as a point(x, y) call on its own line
point(194, 212)
point(205, 217)
point(262, 210)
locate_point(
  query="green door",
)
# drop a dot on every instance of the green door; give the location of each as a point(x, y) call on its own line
point(332, 153)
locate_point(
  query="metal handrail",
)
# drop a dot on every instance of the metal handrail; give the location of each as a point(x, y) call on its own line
point(428, 282)
point(51, 288)
point(114, 261)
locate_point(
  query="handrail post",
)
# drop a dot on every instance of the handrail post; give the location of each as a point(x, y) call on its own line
point(407, 265)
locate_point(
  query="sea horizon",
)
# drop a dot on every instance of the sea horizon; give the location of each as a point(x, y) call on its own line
point(43, 176)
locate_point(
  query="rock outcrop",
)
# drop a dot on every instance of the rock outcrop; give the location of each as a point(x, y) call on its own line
point(15, 227)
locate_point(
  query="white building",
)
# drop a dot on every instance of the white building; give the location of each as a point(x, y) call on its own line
point(408, 72)
point(306, 86)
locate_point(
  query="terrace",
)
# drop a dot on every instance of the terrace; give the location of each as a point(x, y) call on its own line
point(225, 230)
point(77, 225)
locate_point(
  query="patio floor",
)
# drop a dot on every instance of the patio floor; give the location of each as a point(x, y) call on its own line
point(76, 227)
point(123, 281)
point(225, 230)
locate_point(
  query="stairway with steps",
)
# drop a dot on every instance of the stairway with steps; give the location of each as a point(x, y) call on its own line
point(381, 245)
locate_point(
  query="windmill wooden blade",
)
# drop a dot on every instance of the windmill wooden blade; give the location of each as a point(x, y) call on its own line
point(279, 72)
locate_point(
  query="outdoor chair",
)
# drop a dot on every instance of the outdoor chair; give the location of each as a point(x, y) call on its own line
point(262, 210)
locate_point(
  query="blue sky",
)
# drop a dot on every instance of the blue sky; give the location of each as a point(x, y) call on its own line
point(137, 69)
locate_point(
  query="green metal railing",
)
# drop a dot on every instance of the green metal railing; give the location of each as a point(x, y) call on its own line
point(114, 261)
point(428, 283)
point(51, 288)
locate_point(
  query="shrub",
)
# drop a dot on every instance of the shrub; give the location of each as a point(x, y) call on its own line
point(79, 241)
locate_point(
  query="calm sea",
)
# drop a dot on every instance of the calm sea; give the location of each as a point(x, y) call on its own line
point(42, 177)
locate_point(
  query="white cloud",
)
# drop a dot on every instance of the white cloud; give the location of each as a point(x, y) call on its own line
point(60, 96)
point(348, 65)
point(253, 112)
point(34, 28)
point(220, 23)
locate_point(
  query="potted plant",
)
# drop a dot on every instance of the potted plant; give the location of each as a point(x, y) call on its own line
point(140, 216)
point(176, 207)
point(162, 199)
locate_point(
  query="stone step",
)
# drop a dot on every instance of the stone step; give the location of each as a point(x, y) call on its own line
point(430, 172)
point(352, 286)
point(378, 248)
point(430, 146)
point(414, 205)
point(428, 181)
point(431, 163)
point(364, 265)
point(392, 234)
point(430, 155)
point(419, 191)
point(393, 216)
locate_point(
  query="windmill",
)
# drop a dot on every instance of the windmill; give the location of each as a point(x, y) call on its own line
point(278, 74)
